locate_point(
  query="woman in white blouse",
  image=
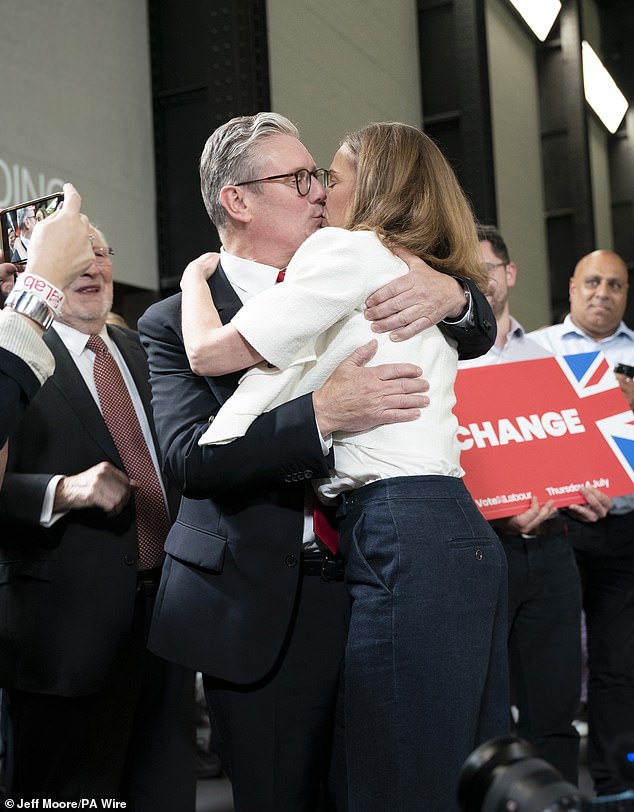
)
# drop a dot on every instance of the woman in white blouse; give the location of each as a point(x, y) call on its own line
point(426, 663)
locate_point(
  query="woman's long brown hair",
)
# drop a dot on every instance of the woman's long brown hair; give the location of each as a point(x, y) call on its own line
point(408, 194)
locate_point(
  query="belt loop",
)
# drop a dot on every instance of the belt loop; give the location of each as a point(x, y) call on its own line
point(331, 570)
point(342, 507)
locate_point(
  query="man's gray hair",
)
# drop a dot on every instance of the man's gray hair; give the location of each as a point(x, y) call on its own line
point(24, 214)
point(231, 156)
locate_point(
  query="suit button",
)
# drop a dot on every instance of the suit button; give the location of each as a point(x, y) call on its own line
point(308, 473)
point(290, 561)
point(129, 559)
point(288, 478)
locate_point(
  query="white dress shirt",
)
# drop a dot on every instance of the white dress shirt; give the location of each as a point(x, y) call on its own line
point(517, 347)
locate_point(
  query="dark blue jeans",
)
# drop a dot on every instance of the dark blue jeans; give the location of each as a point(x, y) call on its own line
point(426, 676)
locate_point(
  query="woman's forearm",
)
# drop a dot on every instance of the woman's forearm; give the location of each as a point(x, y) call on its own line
point(212, 348)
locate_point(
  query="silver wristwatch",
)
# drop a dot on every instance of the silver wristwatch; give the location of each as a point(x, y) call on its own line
point(31, 305)
point(467, 318)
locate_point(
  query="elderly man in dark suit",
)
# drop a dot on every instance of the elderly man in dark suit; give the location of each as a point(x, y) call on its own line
point(93, 714)
point(250, 594)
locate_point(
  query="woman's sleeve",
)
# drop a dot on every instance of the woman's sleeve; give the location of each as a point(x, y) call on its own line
point(325, 281)
point(18, 337)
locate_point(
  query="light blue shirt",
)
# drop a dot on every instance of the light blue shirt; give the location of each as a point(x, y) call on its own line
point(517, 347)
point(567, 338)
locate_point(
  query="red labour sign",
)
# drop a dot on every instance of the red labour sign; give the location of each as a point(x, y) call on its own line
point(544, 428)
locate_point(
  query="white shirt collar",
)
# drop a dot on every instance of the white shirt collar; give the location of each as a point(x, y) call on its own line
point(75, 341)
point(516, 330)
point(246, 276)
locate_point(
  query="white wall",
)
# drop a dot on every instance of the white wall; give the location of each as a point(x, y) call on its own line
point(338, 64)
point(75, 96)
point(517, 160)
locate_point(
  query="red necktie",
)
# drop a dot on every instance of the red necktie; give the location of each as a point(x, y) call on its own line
point(324, 521)
point(325, 525)
point(119, 414)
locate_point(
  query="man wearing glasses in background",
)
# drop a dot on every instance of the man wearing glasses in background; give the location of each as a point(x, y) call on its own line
point(93, 714)
point(250, 594)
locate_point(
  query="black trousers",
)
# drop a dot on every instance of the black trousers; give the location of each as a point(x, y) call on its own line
point(545, 645)
point(605, 556)
point(275, 737)
point(134, 740)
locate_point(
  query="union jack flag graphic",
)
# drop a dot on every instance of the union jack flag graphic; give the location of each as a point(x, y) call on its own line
point(588, 372)
point(618, 431)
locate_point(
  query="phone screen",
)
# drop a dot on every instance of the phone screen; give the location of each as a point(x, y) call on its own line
point(17, 224)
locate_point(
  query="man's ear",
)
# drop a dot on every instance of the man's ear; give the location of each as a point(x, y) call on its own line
point(233, 201)
point(572, 284)
point(511, 274)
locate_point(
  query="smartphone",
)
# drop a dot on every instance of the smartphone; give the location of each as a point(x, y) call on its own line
point(624, 369)
point(18, 222)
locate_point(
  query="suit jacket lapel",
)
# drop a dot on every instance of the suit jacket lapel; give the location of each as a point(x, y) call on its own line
point(227, 304)
point(226, 299)
point(135, 360)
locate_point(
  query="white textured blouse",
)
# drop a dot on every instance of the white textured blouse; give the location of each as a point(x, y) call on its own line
point(308, 325)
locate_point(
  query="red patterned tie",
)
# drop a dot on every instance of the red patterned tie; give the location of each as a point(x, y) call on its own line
point(121, 419)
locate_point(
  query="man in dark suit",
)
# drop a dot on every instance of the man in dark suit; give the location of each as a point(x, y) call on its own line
point(249, 595)
point(93, 714)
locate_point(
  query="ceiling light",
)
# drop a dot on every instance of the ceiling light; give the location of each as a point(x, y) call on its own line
point(601, 91)
point(539, 15)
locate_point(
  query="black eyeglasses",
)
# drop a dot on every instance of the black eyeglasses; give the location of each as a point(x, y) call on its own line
point(102, 253)
point(303, 179)
point(489, 266)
